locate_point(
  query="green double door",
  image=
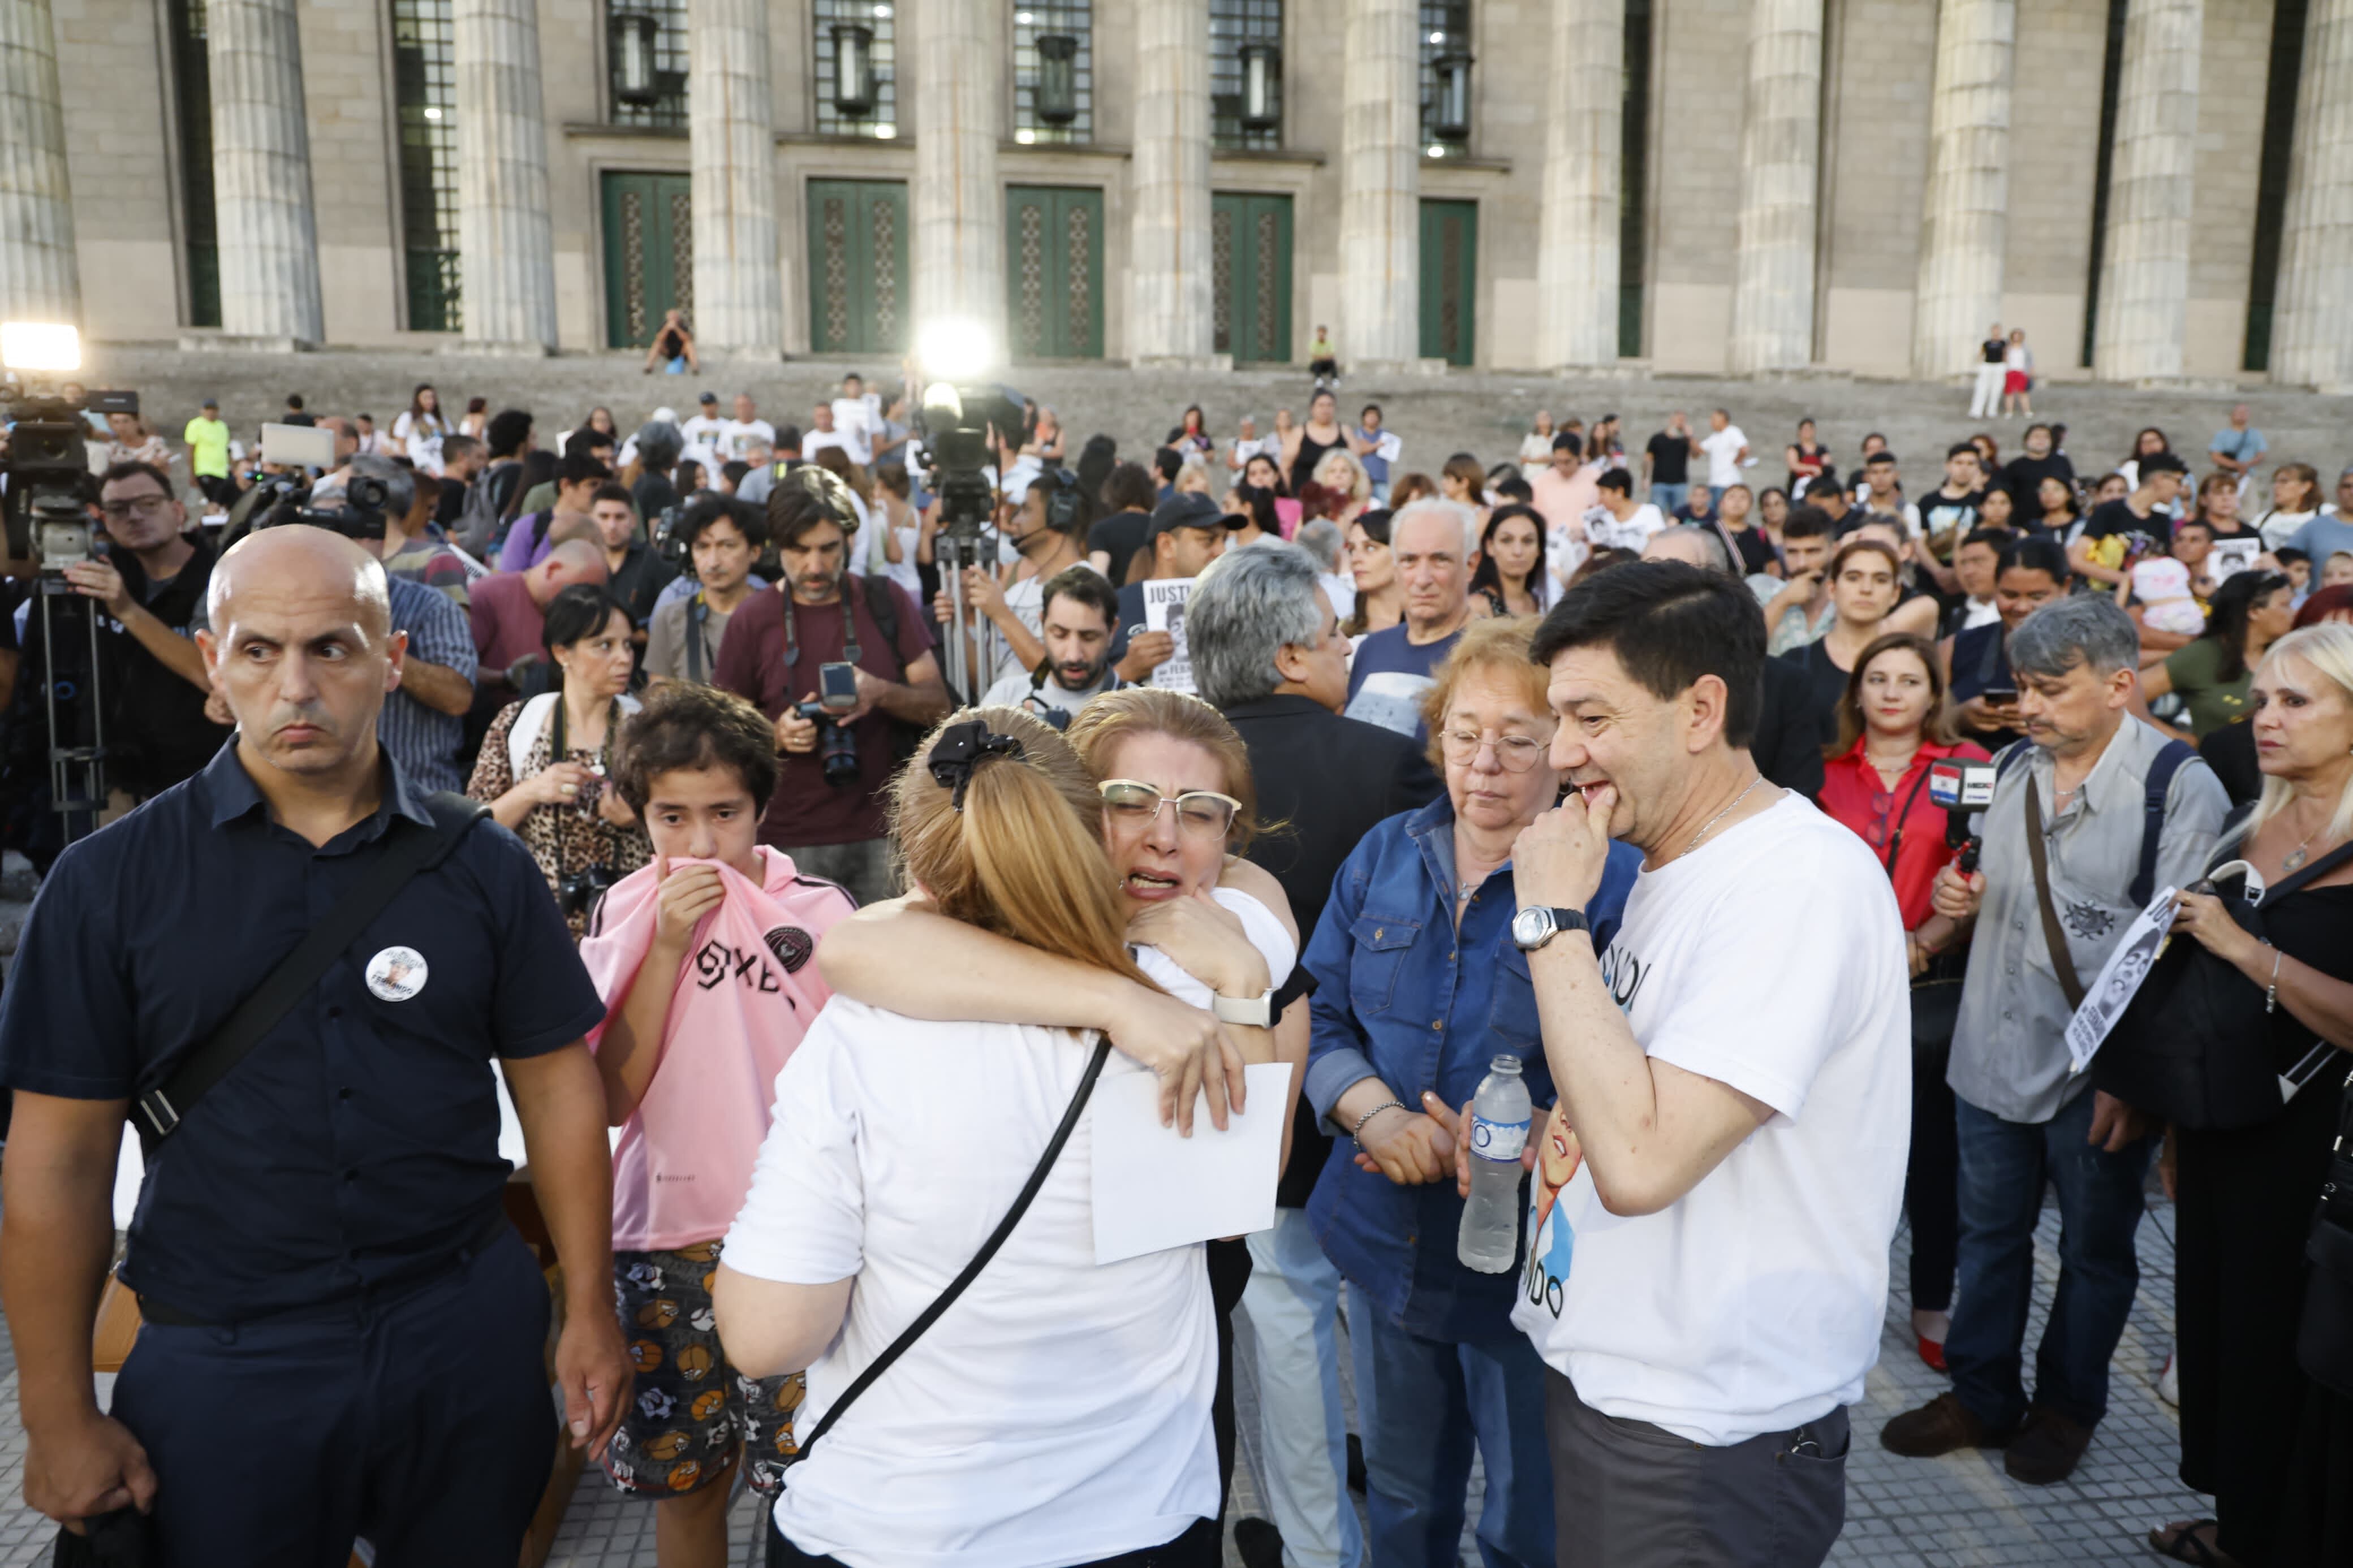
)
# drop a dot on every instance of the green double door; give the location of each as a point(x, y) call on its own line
point(1449, 280)
point(1053, 273)
point(1250, 267)
point(649, 254)
point(858, 265)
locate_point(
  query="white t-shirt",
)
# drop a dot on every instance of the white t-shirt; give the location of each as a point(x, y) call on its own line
point(1770, 960)
point(421, 440)
point(702, 435)
point(857, 419)
point(1027, 600)
point(736, 437)
point(1059, 1411)
point(1603, 528)
point(817, 441)
point(1723, 449)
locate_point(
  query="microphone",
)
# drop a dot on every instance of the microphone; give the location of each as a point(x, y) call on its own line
point(1963, 789)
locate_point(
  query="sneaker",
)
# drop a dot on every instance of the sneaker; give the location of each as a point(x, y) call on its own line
point(2047, 1449)
point(1258, 1543)
point(2169, 1382)
point(1943, 1425)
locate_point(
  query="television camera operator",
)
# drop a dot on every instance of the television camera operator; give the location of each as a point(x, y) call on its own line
point(842, 665)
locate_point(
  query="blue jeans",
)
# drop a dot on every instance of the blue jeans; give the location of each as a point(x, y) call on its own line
point(1668, 499)
point(2004, 1166)
point(1292, 1302)
point(677, 366)
point(1422, 1404)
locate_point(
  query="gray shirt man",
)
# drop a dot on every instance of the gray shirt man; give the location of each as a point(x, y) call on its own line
point(2009, 1050)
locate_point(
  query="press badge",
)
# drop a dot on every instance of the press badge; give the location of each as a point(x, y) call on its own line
point(397, 973)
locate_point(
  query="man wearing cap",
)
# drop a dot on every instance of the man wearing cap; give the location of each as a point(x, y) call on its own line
point(1187, 532)
point(207, 439)
point(703, 431)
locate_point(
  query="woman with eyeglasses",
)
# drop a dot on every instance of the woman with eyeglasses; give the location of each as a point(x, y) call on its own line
point(1176, 807)
point(1419, 987)
point(1060, 1412)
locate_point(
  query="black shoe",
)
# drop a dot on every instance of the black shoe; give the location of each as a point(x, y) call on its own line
point(1258, 1542)
point(1355, 1464)
point(1943, 1425)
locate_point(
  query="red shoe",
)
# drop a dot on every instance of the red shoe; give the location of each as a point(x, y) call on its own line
point(1932, 1352)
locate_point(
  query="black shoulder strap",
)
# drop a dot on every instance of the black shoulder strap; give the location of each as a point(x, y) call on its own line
point(988, 1249)
point(2010, 755)
point(885, 611)
point(696, 612)
point(413, 849)
point(2168, 761)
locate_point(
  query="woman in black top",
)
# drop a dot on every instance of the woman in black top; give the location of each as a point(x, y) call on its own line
point(2274, 1448)
point(1866, 583)
point(1321, 433)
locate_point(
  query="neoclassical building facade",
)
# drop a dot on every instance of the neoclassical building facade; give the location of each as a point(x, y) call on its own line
point(2156, 189)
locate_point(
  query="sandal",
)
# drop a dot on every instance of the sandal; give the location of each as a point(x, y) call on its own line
point(2184, 1544)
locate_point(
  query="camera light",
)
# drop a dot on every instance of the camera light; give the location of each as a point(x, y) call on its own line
point(955, 348)
point(39, 346)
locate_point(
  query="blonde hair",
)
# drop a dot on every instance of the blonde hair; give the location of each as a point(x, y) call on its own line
point(1024, 857)
point(1352, 479)
point(2327, 648)
point(1098, 729)
point(1498, 643)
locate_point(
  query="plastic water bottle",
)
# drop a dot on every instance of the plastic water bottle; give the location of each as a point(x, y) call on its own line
point(1499, 1130)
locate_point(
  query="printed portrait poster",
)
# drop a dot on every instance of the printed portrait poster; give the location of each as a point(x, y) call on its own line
point(1164, 611)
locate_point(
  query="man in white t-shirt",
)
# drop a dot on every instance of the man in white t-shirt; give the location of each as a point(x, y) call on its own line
point(1619, 522)
point(704, 431)
point(1727, 451)
point(858, 415)
point(824, 432)
point(1719, 1181)
point(739, 438)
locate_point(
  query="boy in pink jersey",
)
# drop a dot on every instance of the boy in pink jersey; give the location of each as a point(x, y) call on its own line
point(703, 958)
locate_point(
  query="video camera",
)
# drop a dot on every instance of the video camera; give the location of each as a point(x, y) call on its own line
point(954, 425)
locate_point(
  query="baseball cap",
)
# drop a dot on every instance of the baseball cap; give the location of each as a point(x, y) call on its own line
point(1184, 510)
point(210, 403)
point(708, 397)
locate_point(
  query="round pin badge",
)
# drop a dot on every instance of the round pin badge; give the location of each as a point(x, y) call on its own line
point(397, 973)
point(792, 946)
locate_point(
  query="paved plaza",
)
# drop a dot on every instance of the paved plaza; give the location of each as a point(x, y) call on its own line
point(1957, 1513)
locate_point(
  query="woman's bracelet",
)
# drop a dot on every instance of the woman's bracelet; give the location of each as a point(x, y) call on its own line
point(1368, 1116)
point(2270, 992)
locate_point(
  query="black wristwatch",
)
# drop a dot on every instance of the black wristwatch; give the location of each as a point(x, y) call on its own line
point(1532, 928)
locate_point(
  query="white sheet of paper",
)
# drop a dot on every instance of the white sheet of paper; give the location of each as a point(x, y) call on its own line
point(1164, 611)
point(2128, 964)
point(1153, 1189)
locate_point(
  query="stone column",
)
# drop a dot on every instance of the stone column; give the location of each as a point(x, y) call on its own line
point(2144, 271)
point(1577, 252)
point(958, 207)
point(261, 174)
point(39, 278)
point(1965, 222)
point(1780, 177)
point(1380, 186)
point(1170, 304)
point(2312, 315)
point(505, 244)
point(738, 304)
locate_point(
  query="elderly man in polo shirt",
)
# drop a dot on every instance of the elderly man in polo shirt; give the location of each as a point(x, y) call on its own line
point(343, 1336)
point(2081, 782)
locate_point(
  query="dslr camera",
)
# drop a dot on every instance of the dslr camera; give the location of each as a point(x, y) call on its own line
point(576, 892)
point(837, 744)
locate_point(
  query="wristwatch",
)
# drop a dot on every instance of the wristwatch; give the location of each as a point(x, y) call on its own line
point(1257, 1012)
point(1532, 928)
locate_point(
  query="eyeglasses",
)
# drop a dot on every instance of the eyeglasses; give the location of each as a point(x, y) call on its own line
point(1517, 753)
point(138, 506)
point(1203, 813)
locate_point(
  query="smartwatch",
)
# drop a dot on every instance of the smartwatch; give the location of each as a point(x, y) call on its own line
point(1532, 928)
point(1257, 1012)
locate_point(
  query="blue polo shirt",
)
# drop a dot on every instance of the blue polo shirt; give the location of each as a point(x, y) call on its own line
point(355, 1148)
point(1404, 995)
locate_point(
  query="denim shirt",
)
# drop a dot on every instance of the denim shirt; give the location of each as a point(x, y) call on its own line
point(1403, 996)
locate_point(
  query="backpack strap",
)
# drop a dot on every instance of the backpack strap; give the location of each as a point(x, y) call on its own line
point(2170, 758)
point(410, 849)
point(885, 608)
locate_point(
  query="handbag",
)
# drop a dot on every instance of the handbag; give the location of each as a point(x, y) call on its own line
point(2196, 1046)
point(2324, 1337)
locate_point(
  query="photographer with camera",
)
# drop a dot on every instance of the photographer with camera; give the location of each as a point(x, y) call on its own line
point(151, 585)
point(859, 641)
point(544, 763)
point(721, 538)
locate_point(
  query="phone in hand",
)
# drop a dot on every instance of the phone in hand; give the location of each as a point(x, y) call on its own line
point(1999, 696)
point(836, 686)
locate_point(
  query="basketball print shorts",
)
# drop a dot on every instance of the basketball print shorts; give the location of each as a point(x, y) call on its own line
point(688, 1409)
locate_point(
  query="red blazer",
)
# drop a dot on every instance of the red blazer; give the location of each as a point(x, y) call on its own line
point(1903, 826)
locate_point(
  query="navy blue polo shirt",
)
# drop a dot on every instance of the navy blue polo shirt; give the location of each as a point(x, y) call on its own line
point(356, 1146)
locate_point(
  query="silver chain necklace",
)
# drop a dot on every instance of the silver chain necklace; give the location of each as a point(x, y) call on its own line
point(1720, 816)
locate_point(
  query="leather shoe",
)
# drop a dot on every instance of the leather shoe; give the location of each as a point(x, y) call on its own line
point(1943, 1425)
point(2047, 1449)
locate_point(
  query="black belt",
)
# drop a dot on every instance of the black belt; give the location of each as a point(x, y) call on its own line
point(405, 1282)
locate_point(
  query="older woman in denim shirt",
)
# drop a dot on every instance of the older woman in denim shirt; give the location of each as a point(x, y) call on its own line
point(1418, 986)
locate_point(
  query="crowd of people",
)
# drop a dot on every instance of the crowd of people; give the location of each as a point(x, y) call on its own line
point(854, 881)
